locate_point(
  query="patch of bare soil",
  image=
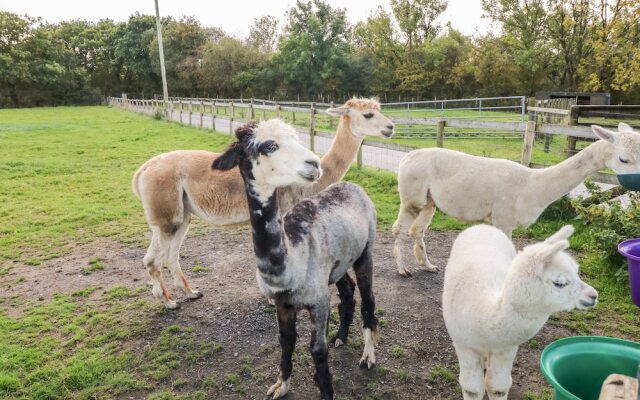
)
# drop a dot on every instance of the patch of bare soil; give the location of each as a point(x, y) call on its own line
point(233, 313)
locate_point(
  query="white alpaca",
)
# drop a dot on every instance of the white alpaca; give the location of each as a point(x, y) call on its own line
point(494, 299)
point(175, 185)
point(500, 192)
point(311, 247)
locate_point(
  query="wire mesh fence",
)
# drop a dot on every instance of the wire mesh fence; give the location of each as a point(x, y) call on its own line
point(490, 127)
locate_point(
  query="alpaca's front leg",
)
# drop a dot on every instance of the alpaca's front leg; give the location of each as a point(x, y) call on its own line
point(471, 377)
point(417, 232)
point(287, 327)
point(498, 376)
point(319, 349)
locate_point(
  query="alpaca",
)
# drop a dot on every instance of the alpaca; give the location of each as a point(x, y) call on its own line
point(173, 186)
point(501, 192)
point(311, 247)
point(494, 299)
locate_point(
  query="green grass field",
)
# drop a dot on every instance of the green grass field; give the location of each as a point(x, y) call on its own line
point(65, 179)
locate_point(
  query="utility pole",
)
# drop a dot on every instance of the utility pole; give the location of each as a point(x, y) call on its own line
point(163, 72)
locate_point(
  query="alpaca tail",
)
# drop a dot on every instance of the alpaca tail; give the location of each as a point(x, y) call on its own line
point(135, 181)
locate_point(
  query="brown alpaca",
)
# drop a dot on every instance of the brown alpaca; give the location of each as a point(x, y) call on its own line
point(174, 185)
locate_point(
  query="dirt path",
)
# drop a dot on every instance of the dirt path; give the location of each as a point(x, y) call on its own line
point(233, 313)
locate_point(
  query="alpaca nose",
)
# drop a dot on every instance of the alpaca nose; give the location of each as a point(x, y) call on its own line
point(593, 297)
point(313, 163)
point(390, 126)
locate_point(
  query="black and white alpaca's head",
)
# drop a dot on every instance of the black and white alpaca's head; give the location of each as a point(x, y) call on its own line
point(270, 156)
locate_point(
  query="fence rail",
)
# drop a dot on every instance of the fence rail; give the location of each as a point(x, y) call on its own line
point(234, 111)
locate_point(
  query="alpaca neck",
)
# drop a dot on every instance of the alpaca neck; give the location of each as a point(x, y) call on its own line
point(517, 310)
point(558, 180)
point(268, 237)
point(341, 154)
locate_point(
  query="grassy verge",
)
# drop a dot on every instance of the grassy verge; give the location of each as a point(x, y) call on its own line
point(65, 175)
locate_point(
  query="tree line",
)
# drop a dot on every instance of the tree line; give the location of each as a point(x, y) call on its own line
point(586, 45)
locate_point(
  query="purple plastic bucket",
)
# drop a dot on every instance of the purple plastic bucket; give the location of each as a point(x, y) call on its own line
point(631, 250)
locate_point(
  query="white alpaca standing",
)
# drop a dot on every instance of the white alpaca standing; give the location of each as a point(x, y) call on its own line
point(311, 247)
point(501, 192)
point(494, 299)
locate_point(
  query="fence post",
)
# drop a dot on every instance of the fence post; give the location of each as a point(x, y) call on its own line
point(170, 110)
point(213, 118)
point(190, 111)
point(440, 133)
point(312, 126)
point(252, 114)
point(359, 156)
point(180, 104)
point(293, 115)
point(201, 112)
point(278, 108)
point(232, 112)
point(529, 137)
point(574, 114)
point(331, 119)
point(231, 126)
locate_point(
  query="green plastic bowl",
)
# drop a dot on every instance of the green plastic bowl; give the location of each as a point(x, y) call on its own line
point(577, 366)
point(629, 181)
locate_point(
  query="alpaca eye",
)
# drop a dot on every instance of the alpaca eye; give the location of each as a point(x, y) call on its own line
point(269, 147)
point(622, 160)
point(560, 285)
point(368, 115)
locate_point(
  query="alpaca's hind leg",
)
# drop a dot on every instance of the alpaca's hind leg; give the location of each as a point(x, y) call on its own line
point(319, 349)
point(153, 261)
point(175, 242)
point(399, 230)
point(287, 328)
point(364, 276)
point(346, 287)
point(417, 232)
point(498, 376)
point(471, 373)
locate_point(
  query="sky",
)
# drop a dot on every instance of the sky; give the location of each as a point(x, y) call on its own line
point(234, 17)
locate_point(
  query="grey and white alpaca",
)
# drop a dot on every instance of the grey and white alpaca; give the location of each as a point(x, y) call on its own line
point(314, 245)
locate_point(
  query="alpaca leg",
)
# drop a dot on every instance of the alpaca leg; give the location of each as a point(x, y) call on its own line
point(287, 329)
point(498, 376)
point(417, 232)
point(175, 243)
point(319, 349)
point(153, 261)
point(471, 373)
point(400, 228)
point(346, 287)
point(364, 275)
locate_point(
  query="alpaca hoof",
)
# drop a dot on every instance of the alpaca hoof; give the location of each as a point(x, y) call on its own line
point(172, 305)
point(404, 271)
point(367, 363)
point(194, 295)
point(271, 302)
point(279, 389)
point(432, 268)
point(338, 343)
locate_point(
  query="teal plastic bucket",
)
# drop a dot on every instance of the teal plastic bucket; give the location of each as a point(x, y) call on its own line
point(577, 366)
point(630, 181)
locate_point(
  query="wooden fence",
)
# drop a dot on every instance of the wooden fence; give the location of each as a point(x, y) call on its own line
point(537, 125)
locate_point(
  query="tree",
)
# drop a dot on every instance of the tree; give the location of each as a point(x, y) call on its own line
point(416, 18)
point(523, 23)
point(376, 40)
point(230, 68)
point(312, 54)
point(182, 42)
point(263, 34)
point(132, 47)
point(569, 28)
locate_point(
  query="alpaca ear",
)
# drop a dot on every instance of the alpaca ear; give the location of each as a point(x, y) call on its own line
point(604, 134)
point(563, 234)
point(229, 158)
point(546, 253)
point(336, 112)
point(622, 127)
